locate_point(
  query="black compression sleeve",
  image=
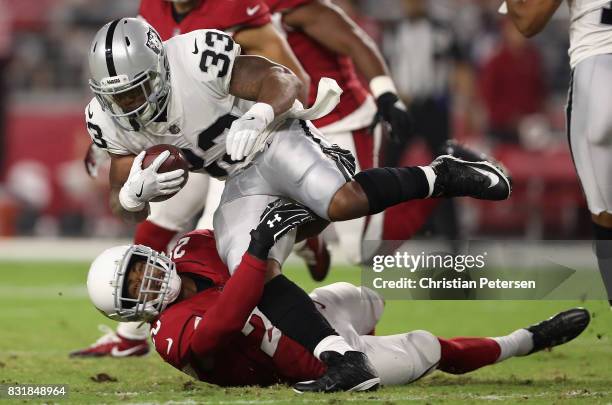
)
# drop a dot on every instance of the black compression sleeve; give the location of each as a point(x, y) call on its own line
point(388, 186)
point(292, 311)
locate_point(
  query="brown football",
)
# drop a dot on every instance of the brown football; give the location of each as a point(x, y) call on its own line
point(175, 161)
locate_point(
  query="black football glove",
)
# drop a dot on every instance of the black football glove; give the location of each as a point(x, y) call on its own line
point(342, 157)
point(393, 113)
point(278, 218)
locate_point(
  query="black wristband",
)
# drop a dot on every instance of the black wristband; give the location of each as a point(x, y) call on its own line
point(259, 246)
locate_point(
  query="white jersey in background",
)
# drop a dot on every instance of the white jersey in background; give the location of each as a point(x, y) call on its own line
point(590, 29)
point(200, 110)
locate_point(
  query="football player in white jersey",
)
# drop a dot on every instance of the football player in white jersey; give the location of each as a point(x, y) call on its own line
point(237, 118)
point(589, 122)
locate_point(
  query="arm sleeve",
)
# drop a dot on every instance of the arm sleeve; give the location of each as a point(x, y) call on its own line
point(231, 311)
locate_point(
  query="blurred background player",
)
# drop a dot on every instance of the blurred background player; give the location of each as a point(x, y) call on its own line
point(426, 76)
point(589, 123)
point(250, 25)
point(6, 49)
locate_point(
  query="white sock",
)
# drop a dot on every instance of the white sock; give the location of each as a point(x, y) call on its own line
point(431, 178)
point(333, 343)
point(133, 330)
point(518, 343)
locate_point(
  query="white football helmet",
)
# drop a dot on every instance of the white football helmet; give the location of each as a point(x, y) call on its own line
point(107, 286)
point(127, 59)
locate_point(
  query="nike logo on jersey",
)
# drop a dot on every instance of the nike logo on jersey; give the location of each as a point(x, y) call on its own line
point(89, 113)
point(249, 119)
point(139, 194)
point(252, 10)
point(493, 177)
point(170, 341)
point(195, 44)
point(115, 352)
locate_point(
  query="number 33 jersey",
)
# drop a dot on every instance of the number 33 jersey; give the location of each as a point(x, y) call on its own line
point(199, 112)
point(259, 354)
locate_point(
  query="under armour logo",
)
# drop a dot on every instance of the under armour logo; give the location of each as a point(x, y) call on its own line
point(273, 220)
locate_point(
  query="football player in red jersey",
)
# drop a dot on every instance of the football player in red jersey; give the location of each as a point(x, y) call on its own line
point(329, 44)
point(250, 25)
point(215, 328)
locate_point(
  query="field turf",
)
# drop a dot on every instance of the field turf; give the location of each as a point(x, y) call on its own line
point(44, 314)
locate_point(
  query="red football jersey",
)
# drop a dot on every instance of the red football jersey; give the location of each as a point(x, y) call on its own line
point(224, 15)
point(206, 336)
point(320, 62)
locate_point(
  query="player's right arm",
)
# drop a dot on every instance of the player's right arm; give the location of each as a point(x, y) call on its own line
point(531, 16)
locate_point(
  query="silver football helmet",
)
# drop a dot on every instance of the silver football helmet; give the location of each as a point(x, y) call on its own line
point(108, 288)
point(129, 72)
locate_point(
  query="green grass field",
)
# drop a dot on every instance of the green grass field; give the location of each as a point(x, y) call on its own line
point(44, 314)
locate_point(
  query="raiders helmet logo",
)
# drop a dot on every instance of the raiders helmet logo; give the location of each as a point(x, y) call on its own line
point(154, 41)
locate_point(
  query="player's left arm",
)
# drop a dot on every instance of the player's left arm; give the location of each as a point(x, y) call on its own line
point(228, 315)
point(273, 86)
point(531, 16)
point(266, 41)
point(329, 25)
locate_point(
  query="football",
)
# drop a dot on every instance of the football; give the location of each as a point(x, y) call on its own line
point(175, 161)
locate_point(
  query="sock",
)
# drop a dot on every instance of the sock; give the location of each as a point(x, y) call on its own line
point(154, 236)
point(133, 330)
point(518, 343)
point(334, 343)
point(463, 354)
point(388, 186)
point(292, 311)
point(431, 177)
point(603, 251)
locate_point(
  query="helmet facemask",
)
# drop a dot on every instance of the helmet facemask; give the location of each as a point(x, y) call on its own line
point(159, 287)
point(152, 86)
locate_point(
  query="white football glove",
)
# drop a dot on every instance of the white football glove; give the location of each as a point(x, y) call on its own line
point(245, 130)
point(143, 185)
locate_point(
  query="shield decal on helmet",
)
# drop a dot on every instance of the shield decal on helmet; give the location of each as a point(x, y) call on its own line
point(154, 41)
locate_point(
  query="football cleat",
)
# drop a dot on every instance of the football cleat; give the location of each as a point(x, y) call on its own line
point(349, 372)
point(113, 345)
point(460, 178)
point(559, 329)
point(316, 256)
point(464, 152)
